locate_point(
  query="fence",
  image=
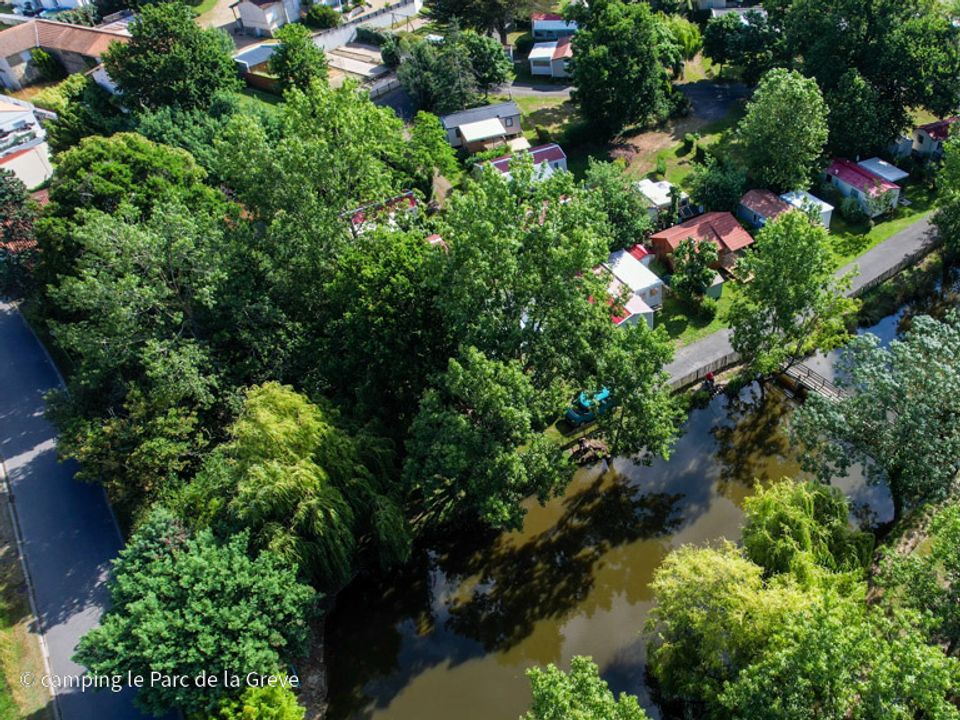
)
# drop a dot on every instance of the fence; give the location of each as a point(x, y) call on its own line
point(385, 17)
point(905, 262)
point(714, 366)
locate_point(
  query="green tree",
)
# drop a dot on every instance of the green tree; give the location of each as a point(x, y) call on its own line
point(484, 16)
point(784, 130)
point(717, 185)
point(792, 305)
point(297, 61)
point(88, 109)
point(184, 605)
point(440, 77)
point(616, 67)
point(580, 695)
point(262, 703)
point(170, 60)
point(618, 198)
point(321, 16)
point(430, 152)
point(793, 525)
point(491, 66)
point(947, 217)
point(899, 416)
point(476, 445)
point(686, 34)
point(694, 273)
point(16, 233)
point(855, 120)
point(721, 38)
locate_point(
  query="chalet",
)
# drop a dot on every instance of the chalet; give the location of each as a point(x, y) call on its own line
point(720, 228)
point(626, 308)
point(265, 17)
point(806, 202)
point(551, 26)
point(888, 171)
point(386, 213)
point(550, 59)
point(484, 127)
point(757, 207)
point(875, 195)
point(658, 195)
point(928, 139)
point(638, 277)
point(547, 159)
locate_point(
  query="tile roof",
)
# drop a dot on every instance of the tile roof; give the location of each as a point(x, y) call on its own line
point(940, 129)
point(764, 203)
point(721, 228)
point(90, 42)
point(638, 251)
point(860, 178)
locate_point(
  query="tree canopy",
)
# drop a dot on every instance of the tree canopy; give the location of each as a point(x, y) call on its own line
point(297, 61)
point(580, 694)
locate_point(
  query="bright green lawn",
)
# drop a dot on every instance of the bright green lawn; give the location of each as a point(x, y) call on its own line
point(204, 6)
point(251, 98)
point(684, 327)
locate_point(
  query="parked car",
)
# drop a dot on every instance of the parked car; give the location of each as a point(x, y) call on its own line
point(587, 407)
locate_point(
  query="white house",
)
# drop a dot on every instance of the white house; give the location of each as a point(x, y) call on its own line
point(547, 159)
point(928, 139)
point(628, 311)
point(638, 277)
point(658, 197)
point(19, 126)
point(758, 207)
point(875, 194)
point(264, 17)
point(803, 200)
point(31, 164)
point(483, 127)
point(32, 7)
point(887, 171)
point(550, 26)
point(550, 58)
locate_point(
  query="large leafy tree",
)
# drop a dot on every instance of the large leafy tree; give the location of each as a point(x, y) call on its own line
point(748, 42)
point(717, 185)
point(616, 66)
point(444, 78)
point(947, 217)
point(171, 60)
point(784, 130)
point(484, 16)
point(792, 304)
point(297, 61)
point(616, 195)
point(580, 694)
point(16, 232)
point(185, 605)
point(900, 416)
point(491, 66)
point(694, 269)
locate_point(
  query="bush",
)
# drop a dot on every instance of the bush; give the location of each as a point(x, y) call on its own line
point(373, 36)
point(322, 17)
point(55, 98)
point(661, 165)
point(49, 67)
point(544, 136)
point(390, 52)
point(523, 44)
point(852, 212)
point(690, 140)
point(708, 309)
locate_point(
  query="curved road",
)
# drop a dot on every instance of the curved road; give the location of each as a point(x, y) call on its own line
point(67, 530)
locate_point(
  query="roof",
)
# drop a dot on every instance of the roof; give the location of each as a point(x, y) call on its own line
point(852, 174)
point(482, 130)
point(545, 16)
point(764, 203)
point(540, 154)
point(799, 198)
point(887, 171)
point(543, 51)
point(256, 55)
point(657, 193)
point(638, 251)
point(90, 42)
point(485, 112)
point(940, 129)
point(631, 272)
point(10, 107)
point(720, 228)
point(367, 212)
point(634, 305)
point(564, 49)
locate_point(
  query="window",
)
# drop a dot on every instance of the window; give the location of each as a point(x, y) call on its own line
point(508, 122)
point(540, 63)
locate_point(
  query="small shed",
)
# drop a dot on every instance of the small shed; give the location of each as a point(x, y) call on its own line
point(758, 207)
point(803, 200)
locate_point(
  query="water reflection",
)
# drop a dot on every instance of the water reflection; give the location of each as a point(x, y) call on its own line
point(453, 633)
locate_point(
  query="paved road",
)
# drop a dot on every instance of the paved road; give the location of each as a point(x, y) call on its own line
point(713, 352)
point(712, 100)
point(69, 534)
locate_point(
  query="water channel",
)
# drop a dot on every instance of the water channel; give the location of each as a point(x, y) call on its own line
point(451, 637)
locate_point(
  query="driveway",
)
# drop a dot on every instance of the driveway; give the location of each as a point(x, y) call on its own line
point(68, 533)
point(711, 100)
point(526, 88)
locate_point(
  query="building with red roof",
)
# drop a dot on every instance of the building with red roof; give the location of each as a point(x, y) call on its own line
point(549, 59)
point(720, 228)
point(875, 194)
point(547, 159)
point(757, 207)
point(550, 26)
point(928, 139)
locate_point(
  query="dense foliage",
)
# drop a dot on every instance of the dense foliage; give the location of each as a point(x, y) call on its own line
point(693, 265)
point(580, 695)
point(297, 61)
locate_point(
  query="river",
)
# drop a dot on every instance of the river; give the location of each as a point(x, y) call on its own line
point(451, 637)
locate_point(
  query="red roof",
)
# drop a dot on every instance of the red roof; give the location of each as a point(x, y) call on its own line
point(764, 203)
point(545, 16)
point(361, 215)
point(720, 228)
point(638, 251)
point(540, 154)
point(940, 129)
point(563, 50)
point(859, 177)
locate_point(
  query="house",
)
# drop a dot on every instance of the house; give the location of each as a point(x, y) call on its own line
point(626, 307)
point(35, 7)
point(483, 127)
point(23, 147)
point(900, 147)
point(720, 228)
point(369, 216)
point(78, 48)
point(875, 195)
point(30, 163)
point(550, 26)
point(659, 200)
point(757, 207)
point(888, 171)
point(638, 277)
point(547, 159)
point(264, 17)
point(928, 139)
point(806, 202)
point(744, 13)
point(641, 254)
point(550, 58)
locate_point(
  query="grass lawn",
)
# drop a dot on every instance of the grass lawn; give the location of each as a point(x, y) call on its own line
point(685, 327)
point(204, 6)
point(850, 241)
point(250, 98)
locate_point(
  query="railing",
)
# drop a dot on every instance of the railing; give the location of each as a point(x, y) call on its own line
point(814, 381)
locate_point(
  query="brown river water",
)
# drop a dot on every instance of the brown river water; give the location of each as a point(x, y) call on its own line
point(451, 637)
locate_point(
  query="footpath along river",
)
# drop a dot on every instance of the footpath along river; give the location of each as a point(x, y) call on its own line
point(451, 637)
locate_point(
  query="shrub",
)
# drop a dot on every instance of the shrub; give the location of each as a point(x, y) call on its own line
point(49, 67)
point(55, 98)
point(373, 36)
point(852, 212)
point(523, 44)
point(321, 17)
point(661, 165)
point(390, 52)
point(690, 140)
point(544, 136)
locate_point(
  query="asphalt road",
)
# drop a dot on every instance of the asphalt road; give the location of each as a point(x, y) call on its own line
point(69, 534)
point(692, 361)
